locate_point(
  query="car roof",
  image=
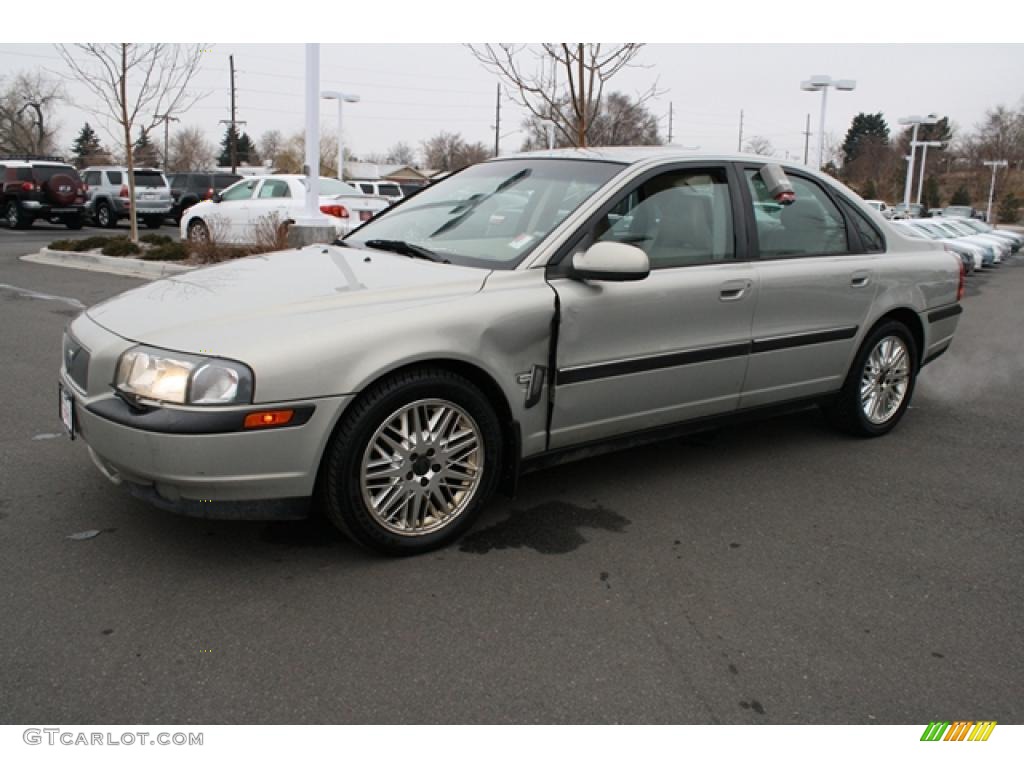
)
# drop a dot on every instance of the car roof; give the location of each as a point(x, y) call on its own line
point(636, 155)
point(120, 168)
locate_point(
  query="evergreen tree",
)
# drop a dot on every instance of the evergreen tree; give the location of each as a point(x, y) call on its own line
point(245, 148)
point(864, 129)
point(931, 196)
point(870, 191)
point(1009, 209)
point(960, 196)
point(144, 152)
point(86, 147)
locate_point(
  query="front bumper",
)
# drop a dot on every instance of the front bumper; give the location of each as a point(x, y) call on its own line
point(191, 459)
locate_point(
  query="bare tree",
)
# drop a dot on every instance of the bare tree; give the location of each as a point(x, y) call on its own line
point(561, 82)
point(138, 84)
point(26, 106)
point(270, 145)
point(620, 121)
point(450, 152)
point(759, 145)
point(190, 151)
point(400, 154)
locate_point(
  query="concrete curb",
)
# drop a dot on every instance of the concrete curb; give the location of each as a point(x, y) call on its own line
point(115, 265)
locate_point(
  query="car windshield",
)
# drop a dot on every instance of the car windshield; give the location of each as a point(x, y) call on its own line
point(331, 187)
point(492, 214)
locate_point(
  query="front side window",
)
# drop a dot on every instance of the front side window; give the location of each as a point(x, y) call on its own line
point(493, 214)
point(809, 226)
point(679, 219)
point(241, 191)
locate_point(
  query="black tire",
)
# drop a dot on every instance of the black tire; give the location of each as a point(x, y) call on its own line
point(847, 411)
point(74, 221)
point(105, 216)
point(153, 222)
point(15, 216)
point(340, 481)
point(197, 232)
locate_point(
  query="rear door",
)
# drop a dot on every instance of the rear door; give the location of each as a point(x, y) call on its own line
point(674, 346)
point(817, 282)
point(268, 209)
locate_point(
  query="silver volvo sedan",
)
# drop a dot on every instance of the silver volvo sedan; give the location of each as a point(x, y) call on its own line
point(520, 312)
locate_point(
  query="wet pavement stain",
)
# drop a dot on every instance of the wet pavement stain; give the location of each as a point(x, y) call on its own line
point(732, 668)
point(753, 704)
point(604, 578)
point(552, 528)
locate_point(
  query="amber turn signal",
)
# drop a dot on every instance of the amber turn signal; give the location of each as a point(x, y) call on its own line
point(268, 419)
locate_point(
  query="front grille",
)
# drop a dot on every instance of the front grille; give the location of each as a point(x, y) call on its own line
point(76, 362)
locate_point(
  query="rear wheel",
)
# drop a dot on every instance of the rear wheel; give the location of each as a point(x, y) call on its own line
point(73, 222)
point(879, 386)
point(153, 222)
point(14, 216)
point(105, 215)
point(412, 462)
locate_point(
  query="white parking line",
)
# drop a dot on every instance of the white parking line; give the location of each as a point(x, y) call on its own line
point(43, 296)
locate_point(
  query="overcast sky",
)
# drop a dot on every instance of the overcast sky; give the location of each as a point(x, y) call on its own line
point(411, 92)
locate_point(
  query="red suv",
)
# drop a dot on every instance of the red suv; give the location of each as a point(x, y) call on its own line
point(47, 189)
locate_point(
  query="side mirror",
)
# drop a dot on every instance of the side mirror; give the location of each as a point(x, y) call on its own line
point(216, 197)
point(611, 261)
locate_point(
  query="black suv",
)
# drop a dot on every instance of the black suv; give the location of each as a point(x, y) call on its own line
point(187, 189)
point(40, 188)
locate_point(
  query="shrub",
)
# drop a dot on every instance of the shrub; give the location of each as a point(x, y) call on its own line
point(120, 246)
point(85, 244)
point(169, 251)
point(154, 239)
point(62, 245)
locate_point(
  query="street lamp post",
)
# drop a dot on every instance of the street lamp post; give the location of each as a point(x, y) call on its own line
point(823, 83)
point(924, 162)
point(993, 164)
point(166, 119)
point(351, 98)
point(914, 120)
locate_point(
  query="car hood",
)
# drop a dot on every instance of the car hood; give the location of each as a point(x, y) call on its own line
point(241, 308)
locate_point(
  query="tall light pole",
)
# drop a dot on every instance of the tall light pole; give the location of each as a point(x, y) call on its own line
point(823, 83)
point(914, 120)
point(924, 162)
point(351, 98)
point(993, 164)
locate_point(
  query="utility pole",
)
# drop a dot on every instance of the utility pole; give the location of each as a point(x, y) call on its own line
point(670, 122)
point(233, 134)
point(497, 122)
point(807, 137)
point(739, 144)
point(166, 119)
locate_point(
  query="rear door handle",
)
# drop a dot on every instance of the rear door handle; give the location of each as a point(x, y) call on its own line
point(734, 290)
point(860, 279)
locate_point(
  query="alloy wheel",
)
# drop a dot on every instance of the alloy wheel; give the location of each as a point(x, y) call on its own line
point(885, 379)
point(422, 467)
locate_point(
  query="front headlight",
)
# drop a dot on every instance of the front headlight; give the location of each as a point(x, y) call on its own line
point(175, 377)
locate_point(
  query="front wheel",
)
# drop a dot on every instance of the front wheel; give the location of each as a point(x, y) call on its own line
point(878, 388)
point(197, 232)
point(412, 462)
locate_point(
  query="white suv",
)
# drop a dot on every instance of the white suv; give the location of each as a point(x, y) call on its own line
point(388, 189)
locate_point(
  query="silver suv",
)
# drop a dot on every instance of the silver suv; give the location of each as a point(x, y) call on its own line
point(108, 195)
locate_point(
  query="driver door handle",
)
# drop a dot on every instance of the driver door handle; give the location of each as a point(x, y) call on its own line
point(734, 290)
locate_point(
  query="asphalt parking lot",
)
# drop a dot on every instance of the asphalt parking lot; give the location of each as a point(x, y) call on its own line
point(775, 572)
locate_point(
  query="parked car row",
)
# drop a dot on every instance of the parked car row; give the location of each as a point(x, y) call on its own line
point(977, 244)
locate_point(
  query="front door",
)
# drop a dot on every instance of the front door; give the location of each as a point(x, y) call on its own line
point(671, 347)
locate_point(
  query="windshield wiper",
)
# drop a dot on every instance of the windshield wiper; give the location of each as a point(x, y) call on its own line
point(406, 249)
point(471, 204)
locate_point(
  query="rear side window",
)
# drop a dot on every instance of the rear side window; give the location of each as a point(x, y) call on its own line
point(92, 178)
point(809, 226)
point(47, 172)
point(389, 190)
point(870, 238)
point(114, 177)
point(274, 188)
point(367, 188)
point(149, 179)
